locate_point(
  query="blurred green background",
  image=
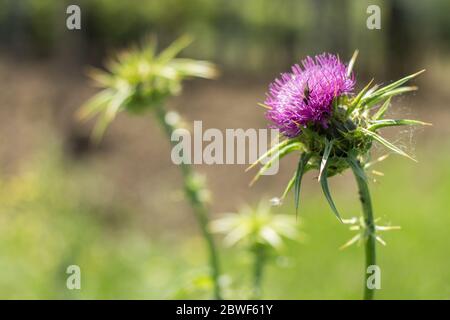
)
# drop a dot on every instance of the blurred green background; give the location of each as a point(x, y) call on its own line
point(115, 209)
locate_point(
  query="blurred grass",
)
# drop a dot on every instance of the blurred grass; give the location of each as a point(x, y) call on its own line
point(49, 220)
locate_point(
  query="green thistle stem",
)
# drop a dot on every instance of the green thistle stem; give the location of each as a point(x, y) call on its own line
point(198, 206)
point(369, 223)
point(258, 266)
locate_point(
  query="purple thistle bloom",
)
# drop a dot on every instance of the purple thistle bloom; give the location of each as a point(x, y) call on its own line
point(305, 96)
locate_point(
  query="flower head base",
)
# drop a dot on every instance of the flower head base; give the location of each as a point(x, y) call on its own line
point(139, 79)
point(334, 130)
point(304, 97)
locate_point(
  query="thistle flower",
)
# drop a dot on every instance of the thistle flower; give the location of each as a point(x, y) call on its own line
point(304, 96)
point(332, 128)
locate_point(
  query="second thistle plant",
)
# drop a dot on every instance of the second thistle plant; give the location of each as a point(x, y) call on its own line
point(140, 80)
point(259, 231)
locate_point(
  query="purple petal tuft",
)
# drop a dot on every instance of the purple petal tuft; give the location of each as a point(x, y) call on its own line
point(305, 95)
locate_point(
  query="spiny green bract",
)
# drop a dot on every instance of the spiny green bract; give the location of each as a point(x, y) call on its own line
point(347, 139)
point(139, 78)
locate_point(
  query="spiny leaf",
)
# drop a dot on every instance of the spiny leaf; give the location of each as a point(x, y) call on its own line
point(292, 181)
point(271, 151)
point(271, 237)
point(397, 83)
point(387, 228)
point(150, 44)
point(370, 92)
point(289, 185)
point(265, 106)
point(326, 191)
point(395, 122)
point(380, 240)
point(95, 105)
point(377, 173)
point(356, 167)
point(379, 159)
point(353, 240)
point(386, 143)
point(277, 156)
point(298, 178)
point(100, 78)
point(110, 113)
point(171, 51)
point(195, 68)
point(326, 154)
point(352, 63)
point(374, 99)
point(380, 113)
point(323, 179)
point(100, 128)
point(358, 98)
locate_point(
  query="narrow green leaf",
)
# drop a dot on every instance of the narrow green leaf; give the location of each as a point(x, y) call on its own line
point(276, 157)
point(378, 160)
point(195, 68)
point(397, 83)
point(292, 181)
point(101, 78)
point(326, 154)
point(149, 47)
point(298, 178)
point(358, 98)
point(370, 92)
point(289, 185)
point(380, 113)
point(375, 99)
point(352, 63)
point(395, 122)
point(170, 52)
point(356, 167)
point(326, 191)
point(271, 151)
point(95, 105)
point(100, 127)
point(323, 178)
point(353, 240)
point(110, 112)
point(386, 143)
